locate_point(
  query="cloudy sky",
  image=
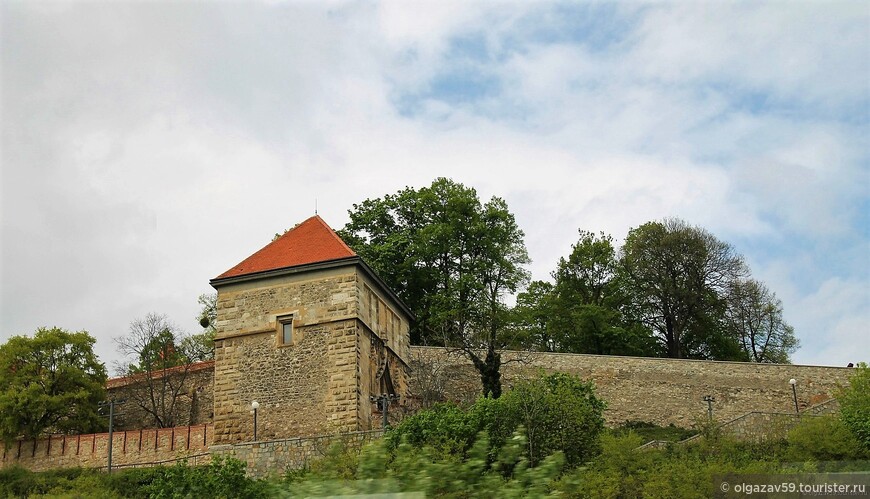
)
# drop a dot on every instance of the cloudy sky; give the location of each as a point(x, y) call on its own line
point(148, 147)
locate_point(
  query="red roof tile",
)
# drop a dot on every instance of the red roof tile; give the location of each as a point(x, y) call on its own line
point(312, 241)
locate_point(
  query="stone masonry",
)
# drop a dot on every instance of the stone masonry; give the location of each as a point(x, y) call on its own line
point(661, 391)
point(321, 382)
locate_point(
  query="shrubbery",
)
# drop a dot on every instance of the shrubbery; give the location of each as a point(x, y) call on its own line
point(557, 412)
point(544, 437)
point(855, 405)
point(222, 478)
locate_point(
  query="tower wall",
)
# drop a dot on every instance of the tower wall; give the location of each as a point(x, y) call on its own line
point(347, 332)
point(308, 387)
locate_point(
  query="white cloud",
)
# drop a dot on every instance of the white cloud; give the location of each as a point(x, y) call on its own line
point(148, 147)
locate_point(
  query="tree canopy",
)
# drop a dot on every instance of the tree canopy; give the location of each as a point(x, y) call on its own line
point(590, 301)
point(671, 290)
point(51, 381)
point(678, 274)
point(452, 260)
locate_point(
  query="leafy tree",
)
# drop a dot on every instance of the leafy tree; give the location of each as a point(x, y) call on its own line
point(532, 317)
point(589, 298)
point(162, 355)
point(51, 381)
point(201, 345)
point(452, 259)
point(678, 275)
point(754, 317)
point(855, 405)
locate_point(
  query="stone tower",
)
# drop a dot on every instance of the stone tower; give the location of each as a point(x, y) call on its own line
point(307, 329)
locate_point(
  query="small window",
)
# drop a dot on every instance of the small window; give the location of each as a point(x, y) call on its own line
point(285, 330)
point(287, 333)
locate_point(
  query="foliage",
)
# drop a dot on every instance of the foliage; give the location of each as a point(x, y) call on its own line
point(202, 344)
point(855, 404)
point(588, 313)
point(678, 275)
point(222, 477)
point(452, 259)
point(558, 412)
point(753, 316)
point(651, 431)
point(162, 355)
point(75, 482)
point(51, 381)
point(532, 317)
point(445, 427)
point(408, 468)
point(823, 438)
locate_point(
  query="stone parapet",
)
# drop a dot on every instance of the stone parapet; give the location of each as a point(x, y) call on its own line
point(661, 391)
point(133, 447)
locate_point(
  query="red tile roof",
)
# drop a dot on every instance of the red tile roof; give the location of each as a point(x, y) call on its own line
point(312, 241)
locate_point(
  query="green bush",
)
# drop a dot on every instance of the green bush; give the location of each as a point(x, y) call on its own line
point(559, 413)
point(651, 431)
point(445, 427)
point(823, 438)
point(855, 405)
point(406, 468)
point(221, 478)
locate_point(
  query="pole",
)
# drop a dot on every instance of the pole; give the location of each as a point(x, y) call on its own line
point(255, 425)
point(111, 424)
point(794, 393)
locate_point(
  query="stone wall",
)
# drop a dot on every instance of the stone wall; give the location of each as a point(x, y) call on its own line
point(320, 382)
point(195, 402)
point(134, 447)
point(275, 457)
point(661, 391)
point(302, 387)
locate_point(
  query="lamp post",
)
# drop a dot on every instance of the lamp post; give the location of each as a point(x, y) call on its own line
point(793, 383)
point(255, 405)
point(111, 403)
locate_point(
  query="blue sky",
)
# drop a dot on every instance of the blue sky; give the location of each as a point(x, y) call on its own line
point(148, 147)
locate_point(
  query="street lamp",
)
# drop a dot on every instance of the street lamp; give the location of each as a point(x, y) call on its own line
point(255, 405)
point(793, 382)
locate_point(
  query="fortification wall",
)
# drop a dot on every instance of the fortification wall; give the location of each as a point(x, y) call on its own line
point(275, 457)
point(194, 405)
point(661, 391)
point(134, 447)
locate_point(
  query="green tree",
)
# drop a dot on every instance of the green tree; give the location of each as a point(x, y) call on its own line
point(452, 260)
point(589, 298)
point(51, 381)
point(158, 359)
point(855, 405)
point(753, 316)
point(678, 276)
point(532, 317)
point(201, 345)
